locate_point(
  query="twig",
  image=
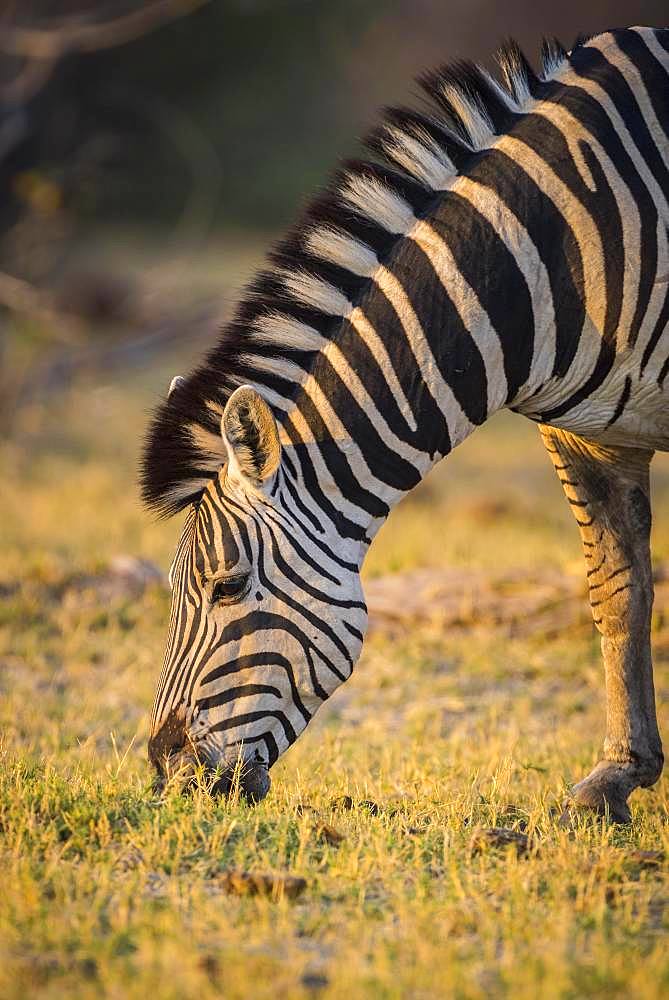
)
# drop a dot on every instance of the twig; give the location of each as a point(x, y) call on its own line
point(52, 43)
point(30, 79)
point(43, 48)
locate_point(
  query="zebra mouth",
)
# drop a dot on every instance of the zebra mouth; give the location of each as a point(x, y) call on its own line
point(251, 778)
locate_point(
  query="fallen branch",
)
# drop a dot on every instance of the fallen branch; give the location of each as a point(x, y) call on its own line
point(521, 603)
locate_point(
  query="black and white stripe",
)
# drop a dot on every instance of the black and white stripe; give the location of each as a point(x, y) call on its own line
point(506, 247)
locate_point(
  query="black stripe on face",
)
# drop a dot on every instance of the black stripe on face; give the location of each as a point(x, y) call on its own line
point(352, 567)
point(287, 530)
point(263, 659)
point(190, 635)
point(554, 240)
point(352, 630)
point(228, 517)
point(262, 621)
point(251, 717)
point(235, 693)
point(454, 349)
point(206, 538)
point(304, 612)
point(489, 267)
point(237, 513)
point(302, 584)
point(189, 669)
point(266, 750)
point(272, 748)
point(231, 554)
point(200, 551)
point(290, 477)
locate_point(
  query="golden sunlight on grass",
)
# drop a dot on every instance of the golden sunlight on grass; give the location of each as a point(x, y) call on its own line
point(108, 890)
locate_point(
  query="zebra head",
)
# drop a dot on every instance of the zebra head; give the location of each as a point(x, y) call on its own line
point(266, 618)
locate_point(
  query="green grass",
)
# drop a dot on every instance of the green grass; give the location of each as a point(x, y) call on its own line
point(108, 890)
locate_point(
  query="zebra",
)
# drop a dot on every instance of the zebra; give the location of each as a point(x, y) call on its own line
point(506, 244)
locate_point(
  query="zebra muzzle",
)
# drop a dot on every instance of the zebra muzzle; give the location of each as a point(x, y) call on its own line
point(185, 769)
point(176, 759)
point(251, 778)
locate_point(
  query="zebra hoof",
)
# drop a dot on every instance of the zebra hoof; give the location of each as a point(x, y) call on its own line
point(603, 794)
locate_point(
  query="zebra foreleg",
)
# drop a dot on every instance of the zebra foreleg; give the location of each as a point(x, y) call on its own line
point(608, 490)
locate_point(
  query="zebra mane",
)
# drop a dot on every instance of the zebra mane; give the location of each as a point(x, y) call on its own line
point(315, 275)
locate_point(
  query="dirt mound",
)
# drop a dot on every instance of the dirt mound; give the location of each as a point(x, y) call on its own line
point(518, 602)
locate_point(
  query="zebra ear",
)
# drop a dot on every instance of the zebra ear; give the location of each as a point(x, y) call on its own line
point(175, 383)
point(251, 437)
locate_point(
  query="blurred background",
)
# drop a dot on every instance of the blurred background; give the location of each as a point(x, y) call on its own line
point(149, 152)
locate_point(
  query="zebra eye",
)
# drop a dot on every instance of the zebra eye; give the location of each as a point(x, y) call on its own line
point(231, 589)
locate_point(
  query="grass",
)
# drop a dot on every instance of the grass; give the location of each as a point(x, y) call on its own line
point(108, 890)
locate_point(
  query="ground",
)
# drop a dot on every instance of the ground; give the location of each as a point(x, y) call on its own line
point(109, 890)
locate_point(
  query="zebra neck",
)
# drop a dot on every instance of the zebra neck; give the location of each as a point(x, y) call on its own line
point(441, 340)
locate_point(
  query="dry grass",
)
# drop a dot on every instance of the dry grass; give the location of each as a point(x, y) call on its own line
point(108, 891)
